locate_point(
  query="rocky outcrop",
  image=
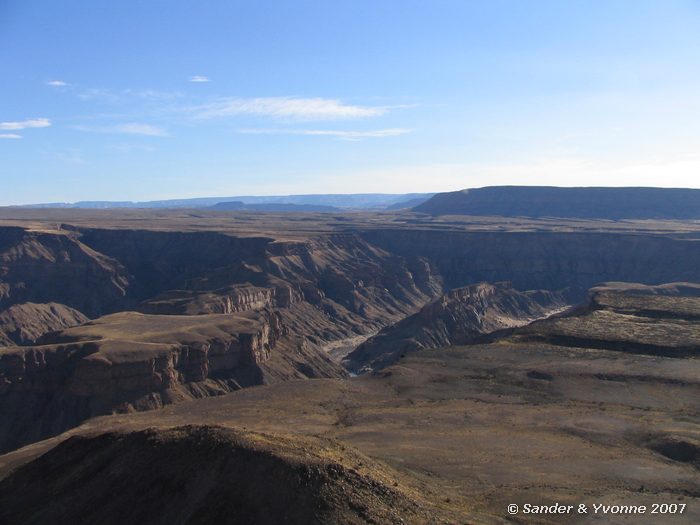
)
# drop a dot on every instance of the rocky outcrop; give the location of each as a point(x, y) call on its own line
point(208, 474)
point(655, 320)
point(582, 203)
point(232, 299)
point(131, 361)
point(461, 316)
point(23, 324)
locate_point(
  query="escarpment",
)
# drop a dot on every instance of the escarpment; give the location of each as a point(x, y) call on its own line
point(547, 260)
point(131, 361)
point(586, 203)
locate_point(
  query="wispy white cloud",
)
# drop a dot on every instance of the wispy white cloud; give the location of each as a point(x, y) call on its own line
point(71, 157)
point(152, 94)
point(198, 78)
point(112, 96)
point(57, 83)
point(10, 136)
point(98, 94)
point(286, 108)
point(135, 128)
point(24, 124)
point(129, 128)
point(340, 134)
point(128, 148)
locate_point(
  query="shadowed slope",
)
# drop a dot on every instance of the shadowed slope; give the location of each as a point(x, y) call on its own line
point(460, 317)
point(205, 475)
point(26, 323)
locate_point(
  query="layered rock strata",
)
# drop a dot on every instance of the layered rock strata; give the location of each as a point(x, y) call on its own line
point(459, 317)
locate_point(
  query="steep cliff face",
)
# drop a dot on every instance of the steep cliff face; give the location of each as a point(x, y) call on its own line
point(158, 261)
point(459, 317)
point(130, 361)
point(44, 267)
point(232, 299)
point(547, 260)
point(346, 280)
point(23, 324)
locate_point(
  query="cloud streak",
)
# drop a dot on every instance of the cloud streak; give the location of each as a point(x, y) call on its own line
point(129, 128)
point(198, 78)
point(135, 128)
point(10, 136)
point(340, 134)
point(286, 108)
point(57, 83)
point(24, 124)
point(112, 96)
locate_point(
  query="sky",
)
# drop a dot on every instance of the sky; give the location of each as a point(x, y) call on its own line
point(150, 99)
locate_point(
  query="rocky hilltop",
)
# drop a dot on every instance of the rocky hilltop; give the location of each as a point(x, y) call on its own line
point(204, 474)
point(462, 316)
point(582, 203)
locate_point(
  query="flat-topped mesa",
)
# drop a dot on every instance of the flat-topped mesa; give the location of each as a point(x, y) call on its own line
point(125, 362)
point(458, 317)
point(583, 203)
point(659, 320)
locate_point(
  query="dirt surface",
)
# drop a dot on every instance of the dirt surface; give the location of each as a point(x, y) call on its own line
point(208, 474)
point(489, 425)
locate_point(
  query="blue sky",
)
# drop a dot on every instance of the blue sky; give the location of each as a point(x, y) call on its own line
point(139, 100)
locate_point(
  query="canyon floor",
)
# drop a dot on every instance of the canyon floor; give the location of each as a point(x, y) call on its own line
point(597, 402)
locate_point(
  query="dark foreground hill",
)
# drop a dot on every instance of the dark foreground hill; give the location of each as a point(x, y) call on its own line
point(582, 203)
point(206, 475)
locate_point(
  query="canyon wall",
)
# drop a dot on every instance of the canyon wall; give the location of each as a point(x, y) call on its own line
point(547, 260)
point(305, 292)
point(130, 361)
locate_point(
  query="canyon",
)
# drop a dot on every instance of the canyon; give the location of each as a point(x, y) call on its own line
point(120, 321)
